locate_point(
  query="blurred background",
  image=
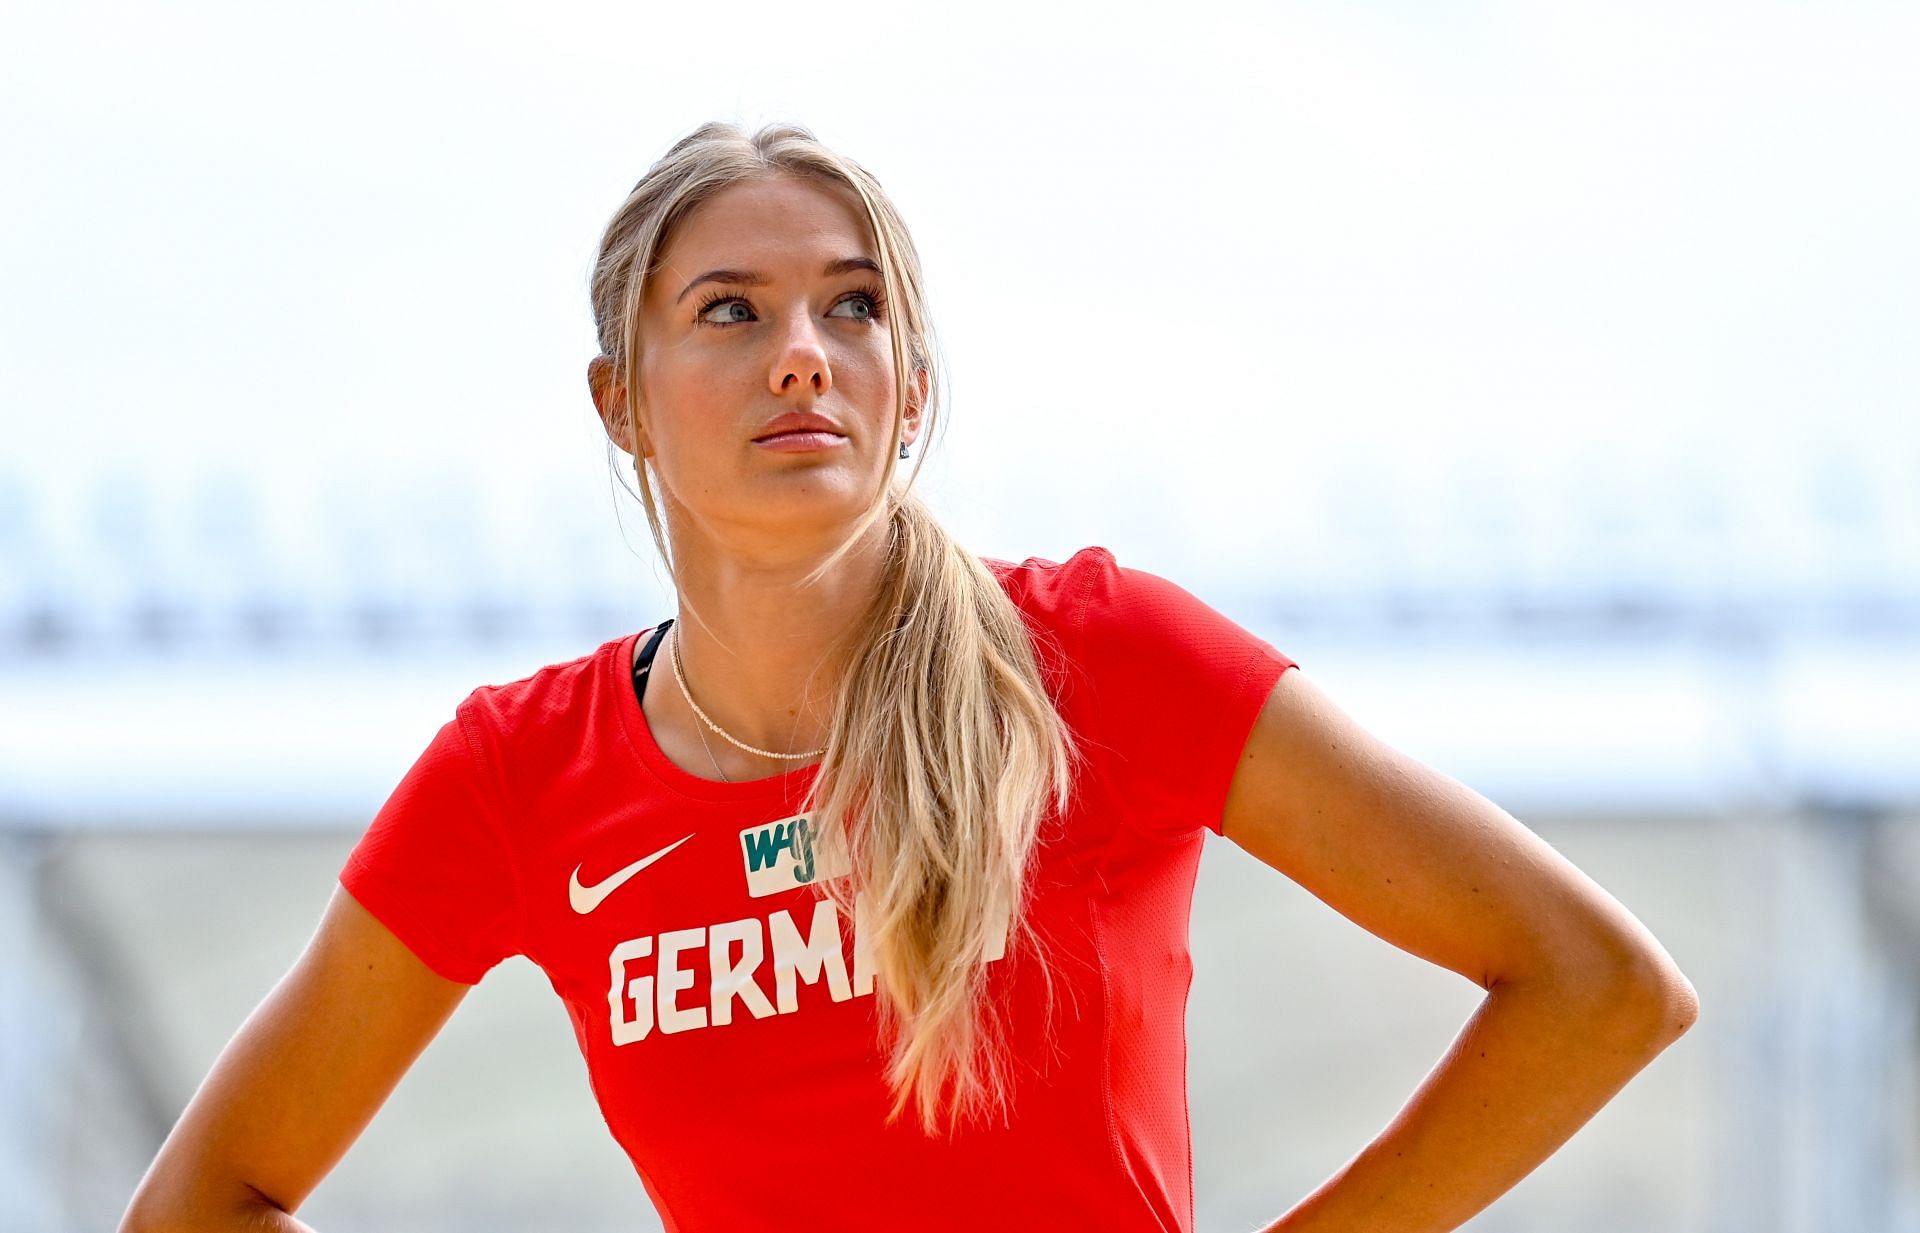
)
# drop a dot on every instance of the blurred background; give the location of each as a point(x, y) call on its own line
point(1542, 377)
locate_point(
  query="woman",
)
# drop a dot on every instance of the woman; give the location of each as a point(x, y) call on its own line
point(875, 907)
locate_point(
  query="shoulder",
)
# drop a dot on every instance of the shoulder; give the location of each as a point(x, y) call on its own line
point(1091, 593)
point(1136, 639)
point(549, 703)
point(1159, 686)
point(1056, 593)
point(1119, 627)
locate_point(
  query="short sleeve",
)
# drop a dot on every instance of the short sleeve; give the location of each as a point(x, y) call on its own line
point(434, 866)
point(1169, 691)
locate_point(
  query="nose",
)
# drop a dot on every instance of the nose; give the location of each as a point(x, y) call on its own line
point(802, 360)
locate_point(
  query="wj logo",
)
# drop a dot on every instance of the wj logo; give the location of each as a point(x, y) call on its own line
point(779, 856)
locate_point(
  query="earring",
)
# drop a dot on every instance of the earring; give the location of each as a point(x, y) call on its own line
point(903, 449)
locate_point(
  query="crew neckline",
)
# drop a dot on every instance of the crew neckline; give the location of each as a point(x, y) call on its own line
point(618, 675)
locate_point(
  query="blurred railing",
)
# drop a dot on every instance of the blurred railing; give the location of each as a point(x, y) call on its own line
point(1744, 543)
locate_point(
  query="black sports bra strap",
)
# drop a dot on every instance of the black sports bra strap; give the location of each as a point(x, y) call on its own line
point(644, 664)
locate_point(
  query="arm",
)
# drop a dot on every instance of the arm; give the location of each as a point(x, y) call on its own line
point(1580, 996)
point(297, 1084)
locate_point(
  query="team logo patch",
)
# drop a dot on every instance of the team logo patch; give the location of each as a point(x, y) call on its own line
point(779, 856)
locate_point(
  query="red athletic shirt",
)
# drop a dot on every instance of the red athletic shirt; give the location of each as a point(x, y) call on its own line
point(724, 1009)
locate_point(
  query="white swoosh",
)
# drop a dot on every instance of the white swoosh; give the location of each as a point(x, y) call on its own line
point(586, 898)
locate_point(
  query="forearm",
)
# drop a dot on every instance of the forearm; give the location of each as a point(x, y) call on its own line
point(1532, 1066)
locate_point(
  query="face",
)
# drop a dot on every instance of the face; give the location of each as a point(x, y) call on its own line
point(781, 331)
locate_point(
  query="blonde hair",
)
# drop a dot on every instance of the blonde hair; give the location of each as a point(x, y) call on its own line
point(945, 751)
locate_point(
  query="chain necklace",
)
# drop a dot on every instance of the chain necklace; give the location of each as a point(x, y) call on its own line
point(679, 674)
point(706, 745)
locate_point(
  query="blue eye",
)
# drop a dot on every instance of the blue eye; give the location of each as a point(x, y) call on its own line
point(714, 301)
point(861, 297)
point(870, 295)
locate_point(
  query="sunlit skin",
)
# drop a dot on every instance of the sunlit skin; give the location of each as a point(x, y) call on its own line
point(745, 522)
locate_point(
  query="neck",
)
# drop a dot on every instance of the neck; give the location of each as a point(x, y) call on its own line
point(769, 658)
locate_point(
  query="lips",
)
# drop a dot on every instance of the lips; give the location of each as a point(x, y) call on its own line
point(800, 421)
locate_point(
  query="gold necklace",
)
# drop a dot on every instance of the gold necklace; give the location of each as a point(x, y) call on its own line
point(679, 674)
point(705, 745)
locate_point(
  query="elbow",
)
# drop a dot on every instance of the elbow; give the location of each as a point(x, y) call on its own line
point(1681, 1003)
point(1650, 983)
point(1655, 997)
point(151, 1212)
point(1637, 996)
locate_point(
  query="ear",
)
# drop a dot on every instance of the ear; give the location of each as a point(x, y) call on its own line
point(916, 403)
point(609, 403)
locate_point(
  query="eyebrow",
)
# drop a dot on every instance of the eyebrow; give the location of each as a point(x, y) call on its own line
point(753, 278)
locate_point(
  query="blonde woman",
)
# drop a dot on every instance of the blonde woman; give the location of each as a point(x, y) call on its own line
point(865, 877)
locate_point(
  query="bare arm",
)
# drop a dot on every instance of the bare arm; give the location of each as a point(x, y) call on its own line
point(298, 1082)
point(1580, 995)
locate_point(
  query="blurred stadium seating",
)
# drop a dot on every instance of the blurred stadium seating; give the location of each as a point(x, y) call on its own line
point(1724, 639)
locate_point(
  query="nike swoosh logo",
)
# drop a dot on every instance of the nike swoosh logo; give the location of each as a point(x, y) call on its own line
point(586, 898)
